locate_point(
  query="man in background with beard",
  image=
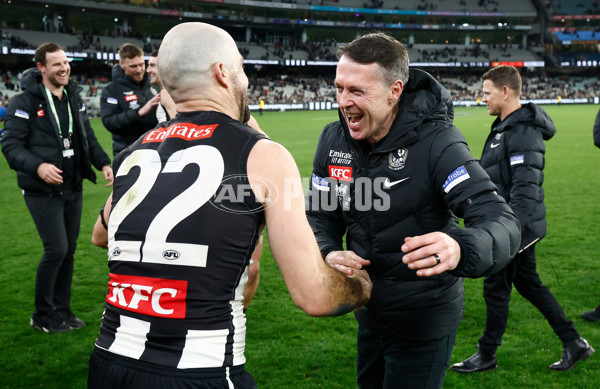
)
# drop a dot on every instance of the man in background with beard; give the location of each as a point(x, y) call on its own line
point(128, 103)
point(165, 110)
point(50, 143)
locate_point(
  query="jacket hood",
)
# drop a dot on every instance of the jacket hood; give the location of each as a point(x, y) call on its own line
point(423, 99)
point(31, 77)
point(532, 116)
point(118, 74)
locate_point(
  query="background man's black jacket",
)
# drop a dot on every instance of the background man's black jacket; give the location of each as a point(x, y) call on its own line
point(597, 130)
point(513, 156)
point(31, 135)
point(118, 116)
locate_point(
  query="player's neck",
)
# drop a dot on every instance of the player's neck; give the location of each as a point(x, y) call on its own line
point(206, 105)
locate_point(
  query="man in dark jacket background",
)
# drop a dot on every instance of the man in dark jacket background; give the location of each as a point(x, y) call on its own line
point(392, 175)
point(128, 103)
point(49, 142)
point(513, 156)
point(597, 130)
point(594, 315)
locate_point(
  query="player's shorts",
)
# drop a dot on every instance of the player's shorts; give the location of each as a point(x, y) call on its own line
point(112, 371)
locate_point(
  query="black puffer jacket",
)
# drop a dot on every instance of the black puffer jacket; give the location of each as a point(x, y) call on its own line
point(597, 130)
point(32, 137)
point(513, 156)
point(412, 182)
point(119, 104)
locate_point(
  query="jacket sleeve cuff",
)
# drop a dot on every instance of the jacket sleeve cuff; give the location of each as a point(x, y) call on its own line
point(459, 271)
point(33, 166)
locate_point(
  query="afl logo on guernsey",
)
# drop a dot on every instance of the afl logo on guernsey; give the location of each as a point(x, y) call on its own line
point(185, 131)
point(171, 254)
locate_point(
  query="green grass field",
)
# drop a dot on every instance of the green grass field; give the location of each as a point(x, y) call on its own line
point(285, 347)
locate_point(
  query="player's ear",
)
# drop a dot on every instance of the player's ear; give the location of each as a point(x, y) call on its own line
point(221, 73)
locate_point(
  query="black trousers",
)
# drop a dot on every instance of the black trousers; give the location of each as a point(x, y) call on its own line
point(57, 219)
point(392, 364)
point(521, 272)
point(110, 371)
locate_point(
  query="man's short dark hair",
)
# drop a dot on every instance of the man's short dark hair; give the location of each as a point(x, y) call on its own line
point(43, 49)
point(505, 76)
point(154, 53)
point(129, 51)
point(382, 49)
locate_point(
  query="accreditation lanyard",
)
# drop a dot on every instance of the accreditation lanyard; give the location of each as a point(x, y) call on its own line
point(68, 152)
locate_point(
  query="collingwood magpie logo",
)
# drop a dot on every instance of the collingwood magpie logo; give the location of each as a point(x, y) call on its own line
point(397, 159)
point(497, 137)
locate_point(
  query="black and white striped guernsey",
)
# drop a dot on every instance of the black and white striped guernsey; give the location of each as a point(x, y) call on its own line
point(183, 226)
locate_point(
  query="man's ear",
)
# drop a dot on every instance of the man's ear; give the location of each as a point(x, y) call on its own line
point(39, 66)
point(221, 73)
point(396, 91)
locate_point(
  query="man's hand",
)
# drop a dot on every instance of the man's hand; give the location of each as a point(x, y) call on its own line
point(107, 172)
point(422, 251)
point(153, 102)
point(50, 173)
point(346, 261)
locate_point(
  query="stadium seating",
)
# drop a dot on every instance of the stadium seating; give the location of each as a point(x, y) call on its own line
point(427, 5)
point(575, 7)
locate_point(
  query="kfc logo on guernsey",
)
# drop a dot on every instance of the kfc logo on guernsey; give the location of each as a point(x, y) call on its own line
point(131, 98)
point(149, 296)
point(342, 173)
point(185, 131)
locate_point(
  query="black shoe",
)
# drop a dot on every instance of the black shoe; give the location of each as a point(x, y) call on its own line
point(476, 362)
point(49, 323)
point(73, 321)
point(591, 315)
point(573, 352)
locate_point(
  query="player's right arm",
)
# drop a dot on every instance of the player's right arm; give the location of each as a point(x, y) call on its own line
point(315, 287)
point(100, 232)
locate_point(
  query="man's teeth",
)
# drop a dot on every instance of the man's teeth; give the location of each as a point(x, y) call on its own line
point(352, 116)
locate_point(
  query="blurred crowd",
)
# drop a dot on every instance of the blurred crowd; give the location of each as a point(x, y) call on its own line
point(284, 89)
